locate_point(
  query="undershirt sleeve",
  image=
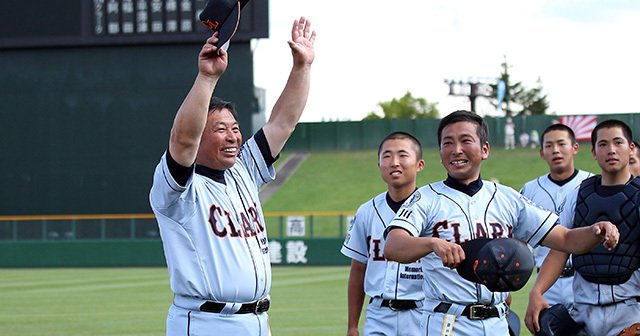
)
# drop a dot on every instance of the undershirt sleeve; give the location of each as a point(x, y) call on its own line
point(180, 173)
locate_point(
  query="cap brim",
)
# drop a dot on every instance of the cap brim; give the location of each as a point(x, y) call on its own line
point(471, 250)
point(229, 26)
point(222, 16)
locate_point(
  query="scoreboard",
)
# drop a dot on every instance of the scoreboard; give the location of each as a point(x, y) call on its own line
point(69, 23)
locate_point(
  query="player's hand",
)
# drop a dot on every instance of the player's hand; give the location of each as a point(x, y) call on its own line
point(302, 40)
point(212, 61)
point(451, 254)
point(537, 303)
point(608, 232)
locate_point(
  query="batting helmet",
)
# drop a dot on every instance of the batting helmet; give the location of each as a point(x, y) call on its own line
point(502, 265)
point(556, 321)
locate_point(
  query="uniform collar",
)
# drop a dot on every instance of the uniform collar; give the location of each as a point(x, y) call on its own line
point(214, 174)
point(563, 182)
point(470, 189)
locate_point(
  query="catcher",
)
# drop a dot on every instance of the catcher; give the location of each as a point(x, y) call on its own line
point(607, 281)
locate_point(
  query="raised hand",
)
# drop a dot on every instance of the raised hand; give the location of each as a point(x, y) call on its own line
point(302, 40)
point(212, 61)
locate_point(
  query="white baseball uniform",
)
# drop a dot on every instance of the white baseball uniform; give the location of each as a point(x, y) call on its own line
point(550, 195)
point(457, 213)
point(215, 243)
point(384, 280)
point(604, 309)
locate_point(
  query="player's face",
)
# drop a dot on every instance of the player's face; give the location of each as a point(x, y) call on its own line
point(558, 151)
point(220, 141)
point(399, 163)
point(612, 150)
point(461, 152)
point(634, 162)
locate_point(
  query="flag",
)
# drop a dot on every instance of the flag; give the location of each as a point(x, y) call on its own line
point(582, 126)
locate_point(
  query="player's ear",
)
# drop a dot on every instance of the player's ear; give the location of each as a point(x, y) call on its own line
point(485, 150)
point(420, 165)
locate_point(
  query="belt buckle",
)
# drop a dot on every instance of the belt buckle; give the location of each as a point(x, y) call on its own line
point(477, 312)
point(393, 306)
point(262, 305)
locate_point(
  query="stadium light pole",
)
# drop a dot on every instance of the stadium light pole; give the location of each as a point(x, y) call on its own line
point(471, 88)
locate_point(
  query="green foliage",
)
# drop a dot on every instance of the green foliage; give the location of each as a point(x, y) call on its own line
point(407, 107)
point(518, 99)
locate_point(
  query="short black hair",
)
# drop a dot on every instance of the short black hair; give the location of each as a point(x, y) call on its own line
point(402, 135)
point(482, 130)
point(559, 127)
point(217, 104)
point(611, 123)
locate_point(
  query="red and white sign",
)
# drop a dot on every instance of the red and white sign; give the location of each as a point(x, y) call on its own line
point(581, 125)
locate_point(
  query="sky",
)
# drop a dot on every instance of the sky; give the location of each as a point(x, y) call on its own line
point(584, 53)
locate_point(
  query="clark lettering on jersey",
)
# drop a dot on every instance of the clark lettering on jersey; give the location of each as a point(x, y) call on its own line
point(446, 229)
point(222, 224)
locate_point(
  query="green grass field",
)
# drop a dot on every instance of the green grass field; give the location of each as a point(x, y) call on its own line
point(133, 301)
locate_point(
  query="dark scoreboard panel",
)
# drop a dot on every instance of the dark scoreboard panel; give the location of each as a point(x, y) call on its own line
point(67, 23)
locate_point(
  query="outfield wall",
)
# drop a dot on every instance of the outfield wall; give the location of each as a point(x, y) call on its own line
point(149, 253)
point(366, 134)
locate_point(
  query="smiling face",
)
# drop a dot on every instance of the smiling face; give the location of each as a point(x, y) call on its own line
point(220, 141)
point(399, 163)
point(612, 150)
point(462, 152)
point(558, 151)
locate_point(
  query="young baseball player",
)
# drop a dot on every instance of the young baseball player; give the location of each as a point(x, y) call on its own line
point(548, 191)
point(440, 216)
point(605, 286)
point(395, 290)
point(205, 198)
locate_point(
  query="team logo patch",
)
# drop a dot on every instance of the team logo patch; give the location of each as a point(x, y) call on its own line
point(412, 200)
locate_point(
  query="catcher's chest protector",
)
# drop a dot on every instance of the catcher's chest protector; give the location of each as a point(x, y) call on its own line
point(621, 208)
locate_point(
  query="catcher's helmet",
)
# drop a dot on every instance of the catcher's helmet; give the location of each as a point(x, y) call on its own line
point(556, 321)
point(502, 265)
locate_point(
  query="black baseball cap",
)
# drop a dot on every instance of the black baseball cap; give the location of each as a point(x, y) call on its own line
point(502, 265)
point(222, 16)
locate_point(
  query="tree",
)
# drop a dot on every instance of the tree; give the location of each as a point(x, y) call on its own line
point(406, 107)
point(518, 99)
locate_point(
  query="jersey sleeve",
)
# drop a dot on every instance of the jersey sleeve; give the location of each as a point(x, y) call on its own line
point(355, 244)
point(412, 215)
point(253, 160)
point(167, 192)
point(533, 222)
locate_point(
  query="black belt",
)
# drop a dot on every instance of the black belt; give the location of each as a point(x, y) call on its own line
point(472, 312)
point(566, 272)
point(398, 304)
point(259, 306)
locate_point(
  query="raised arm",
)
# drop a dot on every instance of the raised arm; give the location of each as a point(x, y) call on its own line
point(191, 118)
point(288, 109)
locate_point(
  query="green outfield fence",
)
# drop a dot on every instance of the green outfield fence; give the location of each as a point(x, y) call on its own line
point(295, 238)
